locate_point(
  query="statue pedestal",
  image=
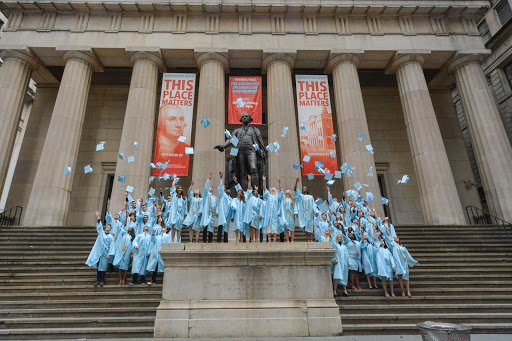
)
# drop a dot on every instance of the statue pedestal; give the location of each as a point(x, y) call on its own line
point(249, 290)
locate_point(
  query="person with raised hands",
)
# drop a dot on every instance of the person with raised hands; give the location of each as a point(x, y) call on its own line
point(238, 212)
point(192, 219)
point(209, 210)
point(177, 210)
point(102, 251)
point(307, 210)
point(252, 212)
point(291, 213)
point(224, 211)
point(274, 214)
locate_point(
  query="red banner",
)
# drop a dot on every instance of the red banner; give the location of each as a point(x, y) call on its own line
point(174, 120)
point(316, 129)
point(244, 96)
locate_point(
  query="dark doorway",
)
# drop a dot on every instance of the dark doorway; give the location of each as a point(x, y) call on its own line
point(382, 186)
point(108, 193)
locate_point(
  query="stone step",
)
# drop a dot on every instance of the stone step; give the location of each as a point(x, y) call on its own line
point(128, 289)
point(406, 318)
point(78, 322)
point(427, 292)
point(78, 312)
point(391, 309)
point(128, 302)
point(76, 333)
point(453, 283)
point(101, 293)
point(379, 299)
point(411, 329)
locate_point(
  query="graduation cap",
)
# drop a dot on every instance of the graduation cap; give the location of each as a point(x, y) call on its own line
point(205, 122)
point(164, 166)
point(359, 200)
point(151, 191)
point(296, 165)
point(270, 147)
point(358, 186)
point(233, 152)
point(67, 170)
point(182, 139)
point(136, 144)
point(351, 193)
point(306, 158)
point(369, 196)
point(87, 169)
point(100, 146)
point(166, 176)
point(384, 201)
point(151, 179)
point(334, 137)
point(176, 181)
point(238, 187)
point(311, 176)
point(234, 141)
point(328, 176)
point(321, 205)
point(349, 173)
point(131, 159)
point(276, 146)
point(285, 131)
point(337, 174)
point(188, 151)
point(370, 173)
point(227, 133)
point(345, 167)
point(330, 182)
point(121, 178)
point(121, 156)
point(255, 146)
point(302, 127)
point(152, 165)
point(361, 136)
point(404, 180)
point(369, 148)
point(129, 189)
point(332, 154)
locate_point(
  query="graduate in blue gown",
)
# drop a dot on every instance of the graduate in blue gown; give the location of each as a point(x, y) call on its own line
point(252, 212)
point(102, 251)
point(209, 210)
point(385, 267)
point(340, 260)
point(140, 248)
point(123, 254)
point(274, 215)
point(224, 211)
point(192, 220)
point(354, 248)
point(177, 211)
point(307, 210)
point(291, 212)
point(238, 213)
point(406, 262)
point(155, 262)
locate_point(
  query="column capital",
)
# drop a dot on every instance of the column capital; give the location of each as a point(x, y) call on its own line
point(402, 57)
point(464, 57)
point(338, 56)
point(84, 54)
point(153, 54)
point(21, 53)
point(206, 55)
point(270, 56)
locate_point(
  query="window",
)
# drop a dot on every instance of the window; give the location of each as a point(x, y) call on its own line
point(508, 73)
point(484, 31)
point(503, 12)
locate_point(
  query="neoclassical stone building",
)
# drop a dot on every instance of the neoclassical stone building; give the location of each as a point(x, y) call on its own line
point(392, 66)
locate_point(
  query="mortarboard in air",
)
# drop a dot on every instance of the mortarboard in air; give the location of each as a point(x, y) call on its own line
point(234, 141)
point(276, 146)
point(369, 148)
point(227, 133)
point(121, 156)
point(100, 146)
point(285, 131)
point(173, 176)
point(255, 146)
point(332, 154)
point(365, 185)
point(166, 176)
point(233, 152)
point(205, 122)
point(370, 173)
point(87, 169)
point(358, 186)
point(351, 193)
point(152, 165)
point(321, 170)
point(384, 201)
point(131, 159)
point(330, 182)
point(404, 180)
point(189, 150)
point(151, 179)
point(349, 173)
point(151, 191)
point(136, 144)
point(360, 200)
point(129, 189)
point(321, 205)
point(328, 176)
point(164, 166)
point(345, 167)
point(121, 178)
point(302, 127)
point(311, 176)
point(337, 174)
point(296, 165)
point(369, 196)
point(238, 187)
point(67, 170)
point(306, 158)
point(334, 137)
point(177, 180)
point(270, 147)
point(182, 139)
point(361, 136)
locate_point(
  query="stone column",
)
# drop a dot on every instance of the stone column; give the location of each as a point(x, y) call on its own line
point(439, 198)
point(492, 148)
point(14, 77)
point(351, 119)
point(211, 103)
point(138, 125)
point(51, 191)
point(281, 113)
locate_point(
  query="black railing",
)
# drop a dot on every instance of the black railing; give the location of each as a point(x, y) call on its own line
point(11, 216)
point(499, 227)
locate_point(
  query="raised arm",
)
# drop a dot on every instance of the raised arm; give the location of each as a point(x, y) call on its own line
point(279, 183)
point(249, 184)
point(296, 182)
point(264, 182)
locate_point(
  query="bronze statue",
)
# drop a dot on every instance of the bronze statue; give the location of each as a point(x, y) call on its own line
point(249, 161)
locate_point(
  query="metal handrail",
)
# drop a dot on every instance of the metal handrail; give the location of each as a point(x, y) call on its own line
point(500, 227)
point(11, 216)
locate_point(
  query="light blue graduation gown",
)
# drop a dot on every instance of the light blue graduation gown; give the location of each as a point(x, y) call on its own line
point(177, 211)
point(307, 211)
point(355, 253)
point(156, 246)
point(367, 257)
point(252, 209)
point(209, 208)
point(273, 214)
point(339, 271)
point(140, 259)
point(385, 263)
point(290, 212)
point(192, 218)
point(406, 261)
point(103, 246)
point(238, 209)
point(224, 209)
point(123, 251)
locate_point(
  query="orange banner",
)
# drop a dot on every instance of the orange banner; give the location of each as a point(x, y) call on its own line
point(174, 121)
point(244, 96)
point(316, 130)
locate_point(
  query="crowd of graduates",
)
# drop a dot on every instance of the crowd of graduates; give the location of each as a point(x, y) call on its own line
point(363, 243)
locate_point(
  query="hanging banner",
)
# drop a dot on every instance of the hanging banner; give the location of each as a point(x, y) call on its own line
point(315, 121)
point(174, 120)
point(244, 96)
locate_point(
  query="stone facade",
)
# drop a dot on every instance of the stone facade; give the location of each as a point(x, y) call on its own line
point(218, 40)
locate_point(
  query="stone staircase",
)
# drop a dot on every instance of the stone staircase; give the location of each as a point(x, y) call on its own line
point(46, 290)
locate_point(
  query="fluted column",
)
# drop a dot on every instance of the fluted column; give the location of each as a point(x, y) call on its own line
point(14, 77)
point(211, 104)
point(439, 198)
point(351, 118)
point(493, 151)
point(281, 113)
point(49, 200)
point(138, 125)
